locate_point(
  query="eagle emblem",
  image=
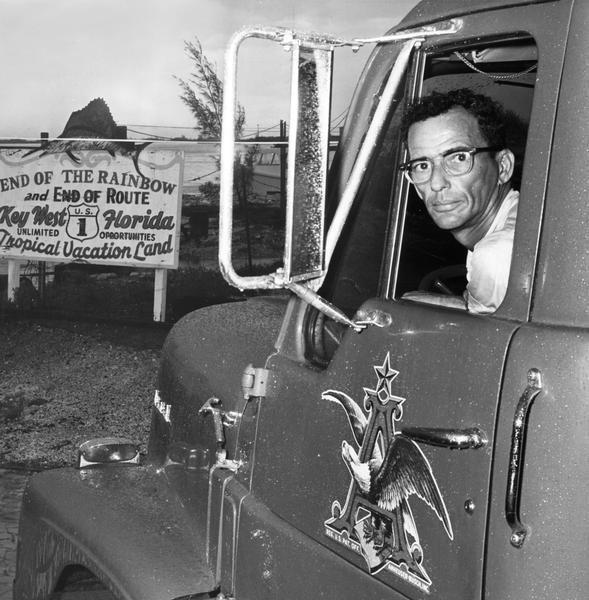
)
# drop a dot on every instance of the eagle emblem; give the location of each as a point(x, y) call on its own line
point(387, 469)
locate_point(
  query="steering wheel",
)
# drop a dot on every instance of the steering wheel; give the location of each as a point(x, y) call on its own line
point(435, 280)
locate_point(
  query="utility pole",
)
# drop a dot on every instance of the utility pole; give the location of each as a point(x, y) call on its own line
point(283, 168)
point(42, 265)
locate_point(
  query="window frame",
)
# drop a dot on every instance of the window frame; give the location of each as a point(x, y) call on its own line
point(401, 187)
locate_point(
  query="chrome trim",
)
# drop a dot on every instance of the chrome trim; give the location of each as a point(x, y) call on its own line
point(221, 419)
point(380, 115)
point(453, 439)
point(444, 28)
point(378, 318)
point(310, 297)
point(227, 157)
point(254, 381)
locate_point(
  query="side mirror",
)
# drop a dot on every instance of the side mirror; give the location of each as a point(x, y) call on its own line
point(308, 250)
point(308, 149)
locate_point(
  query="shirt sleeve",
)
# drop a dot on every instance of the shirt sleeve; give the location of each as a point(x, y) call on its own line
point(488, 273)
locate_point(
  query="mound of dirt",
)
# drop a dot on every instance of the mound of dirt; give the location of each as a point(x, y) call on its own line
point(62, 383)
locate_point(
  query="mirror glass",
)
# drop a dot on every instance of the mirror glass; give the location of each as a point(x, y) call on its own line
point(308, 163)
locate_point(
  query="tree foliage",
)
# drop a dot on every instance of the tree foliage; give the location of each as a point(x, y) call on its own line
point(203, 94)
point(243, 174)
point(209, 192)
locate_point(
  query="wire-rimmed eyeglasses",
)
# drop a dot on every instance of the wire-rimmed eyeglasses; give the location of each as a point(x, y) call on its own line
point(455, 162)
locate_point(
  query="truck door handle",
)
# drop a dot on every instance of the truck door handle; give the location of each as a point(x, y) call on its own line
point(454, 439)
point(519, 531)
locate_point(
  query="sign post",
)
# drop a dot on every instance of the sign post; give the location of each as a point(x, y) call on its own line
point(13, 278)
point(160, 287)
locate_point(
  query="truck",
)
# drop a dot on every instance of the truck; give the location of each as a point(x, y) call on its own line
point(269, 411)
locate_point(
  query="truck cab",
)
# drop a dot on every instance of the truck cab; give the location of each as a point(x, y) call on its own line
point(273, 417)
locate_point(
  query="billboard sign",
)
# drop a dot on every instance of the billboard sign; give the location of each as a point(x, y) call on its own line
point(91, 207)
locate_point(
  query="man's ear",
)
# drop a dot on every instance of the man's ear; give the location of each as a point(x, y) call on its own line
point(506, 161)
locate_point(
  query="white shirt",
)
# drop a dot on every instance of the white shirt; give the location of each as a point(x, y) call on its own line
point(489, 262)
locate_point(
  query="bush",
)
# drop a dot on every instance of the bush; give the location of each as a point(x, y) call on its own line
point(193, 287)
point(83, 291)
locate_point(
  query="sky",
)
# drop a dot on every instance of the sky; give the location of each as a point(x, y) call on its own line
point(60, 54)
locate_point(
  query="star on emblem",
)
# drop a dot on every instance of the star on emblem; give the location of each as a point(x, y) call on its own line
point(386, 375)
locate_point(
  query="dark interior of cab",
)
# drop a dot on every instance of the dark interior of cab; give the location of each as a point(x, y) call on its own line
point(431, 259)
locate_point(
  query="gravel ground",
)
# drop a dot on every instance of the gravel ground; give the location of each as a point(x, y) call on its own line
point(62, 383)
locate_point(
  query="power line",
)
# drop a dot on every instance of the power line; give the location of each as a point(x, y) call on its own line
point(163, 126)
point(338, 124)
point(254, 132)
point(342, 114)
point(151, 135)
point(203, 176)
point(257, 131)
point(269, 185)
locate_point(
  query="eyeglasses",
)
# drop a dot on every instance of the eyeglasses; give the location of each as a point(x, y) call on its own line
point(455, 162)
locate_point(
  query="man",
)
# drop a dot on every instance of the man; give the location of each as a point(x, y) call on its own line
point(462, 170)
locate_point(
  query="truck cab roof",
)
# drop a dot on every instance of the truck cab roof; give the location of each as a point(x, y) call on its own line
point(434, 10)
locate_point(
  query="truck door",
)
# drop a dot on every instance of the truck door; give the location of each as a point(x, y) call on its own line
point(541, 552)
point(374, 450)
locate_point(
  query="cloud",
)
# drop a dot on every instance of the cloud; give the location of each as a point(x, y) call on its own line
point(64, 53)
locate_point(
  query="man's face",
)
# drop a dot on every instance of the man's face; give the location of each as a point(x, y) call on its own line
point(456, 202)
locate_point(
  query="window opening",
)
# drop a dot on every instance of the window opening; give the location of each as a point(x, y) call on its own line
point(427, 258)
point(354, 273)
point(432, 260)
point(472, 66)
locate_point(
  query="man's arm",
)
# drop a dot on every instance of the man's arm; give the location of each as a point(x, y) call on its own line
point(489, 273)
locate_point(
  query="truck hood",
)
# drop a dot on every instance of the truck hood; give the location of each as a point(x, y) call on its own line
point(204, 356)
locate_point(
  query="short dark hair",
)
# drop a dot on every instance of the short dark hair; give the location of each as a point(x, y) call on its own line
point(490, 115)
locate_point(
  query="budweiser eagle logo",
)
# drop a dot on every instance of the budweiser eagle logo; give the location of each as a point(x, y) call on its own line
point(388, 469)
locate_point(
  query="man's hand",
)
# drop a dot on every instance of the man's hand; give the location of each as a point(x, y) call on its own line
point(438, 299)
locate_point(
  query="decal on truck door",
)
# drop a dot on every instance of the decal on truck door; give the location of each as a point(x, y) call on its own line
point(387, 468)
